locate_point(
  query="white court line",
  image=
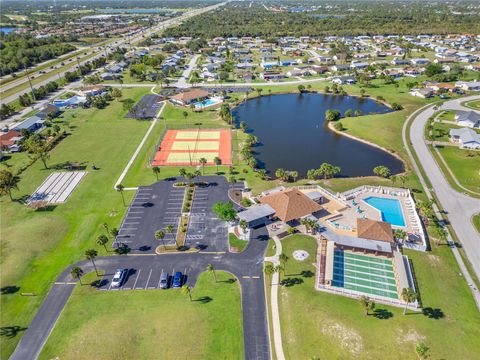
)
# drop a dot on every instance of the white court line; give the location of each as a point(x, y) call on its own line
point(146, 285)
point(135, 283)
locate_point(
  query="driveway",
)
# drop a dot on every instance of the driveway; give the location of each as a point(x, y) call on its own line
point(459, 207)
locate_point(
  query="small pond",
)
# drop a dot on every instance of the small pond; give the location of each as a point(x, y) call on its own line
point(293, 134)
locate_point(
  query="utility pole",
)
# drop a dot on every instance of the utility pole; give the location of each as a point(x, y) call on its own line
point(29, 81)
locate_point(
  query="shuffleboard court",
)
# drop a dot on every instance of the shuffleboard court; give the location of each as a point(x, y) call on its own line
point(57, 187)
point(187, 147)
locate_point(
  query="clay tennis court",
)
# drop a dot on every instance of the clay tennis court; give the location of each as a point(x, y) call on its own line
point(187, 147)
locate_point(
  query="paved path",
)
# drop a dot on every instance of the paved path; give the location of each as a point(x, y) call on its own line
point(246, 266)
point(458, 207)
point(137, 151)
point(277, 334)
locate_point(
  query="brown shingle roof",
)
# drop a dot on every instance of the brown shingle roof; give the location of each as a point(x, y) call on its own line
point(191, 95)
point(290, 204)
point(374, 230)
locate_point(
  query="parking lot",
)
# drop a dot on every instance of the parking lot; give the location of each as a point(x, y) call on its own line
point(205, 230)
point(154, 207)
point(159, 205)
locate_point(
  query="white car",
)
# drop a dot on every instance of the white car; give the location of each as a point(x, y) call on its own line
point(119, 277)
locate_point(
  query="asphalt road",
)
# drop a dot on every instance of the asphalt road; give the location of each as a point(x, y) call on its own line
point(459, 207)
point(144, 272)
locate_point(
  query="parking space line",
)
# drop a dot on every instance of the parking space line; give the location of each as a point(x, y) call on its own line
point(246, 277)
point(135, 283)
point(135, 212)
point(150, 274)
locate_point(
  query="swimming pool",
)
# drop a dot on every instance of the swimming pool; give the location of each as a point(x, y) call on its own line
point(208, 102)
point(390, 209)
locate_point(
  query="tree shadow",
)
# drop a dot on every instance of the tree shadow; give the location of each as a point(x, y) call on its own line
point(122, 249)
point(99, 283)
point(228, 281)
point(204, 299)
point(433, 313)
point(11, 331)
point(288, 282)
point(382, 314)
point(307, 273)
point(11, 289)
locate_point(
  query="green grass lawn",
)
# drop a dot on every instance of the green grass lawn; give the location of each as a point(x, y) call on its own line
point(474, 104)
point(335, 327)
point(151, 324)
point(476, 222)
point(464, 164)
point(236, 243)
point(38, 244)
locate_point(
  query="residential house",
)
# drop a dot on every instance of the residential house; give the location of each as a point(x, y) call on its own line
point(398, 62)
point(468, 85)
point(48, 112)
point(344, 80)
point(469, 119)
point(31, 124)
point(9, 141)
point(420, 61)
point(92, 90)
point(422, 93)
point(338, 68)
point(272, 75)
point(467, 138)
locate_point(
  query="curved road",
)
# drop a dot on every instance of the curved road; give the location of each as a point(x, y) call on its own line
point(246, 266)
point(459, 207)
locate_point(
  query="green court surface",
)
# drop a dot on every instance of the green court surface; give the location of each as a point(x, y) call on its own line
point(189, 135)
point(195, 145)
point(186, 157)
point(367, 274)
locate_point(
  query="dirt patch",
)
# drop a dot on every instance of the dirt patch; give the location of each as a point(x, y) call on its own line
point(410, 336)
point(349, 339)
point(433, 259)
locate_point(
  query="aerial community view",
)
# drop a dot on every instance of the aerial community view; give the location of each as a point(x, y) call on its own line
point(227, 179)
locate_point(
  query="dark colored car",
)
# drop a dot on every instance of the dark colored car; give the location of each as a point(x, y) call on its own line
point(177, 280)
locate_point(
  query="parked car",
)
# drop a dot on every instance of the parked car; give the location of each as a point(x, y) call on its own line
point(164, 280)
point(177, 280)
point(119, 277)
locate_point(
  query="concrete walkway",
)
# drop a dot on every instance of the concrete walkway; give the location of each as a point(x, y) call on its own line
point(137, 151)
point(457, 206)
point(277, 334)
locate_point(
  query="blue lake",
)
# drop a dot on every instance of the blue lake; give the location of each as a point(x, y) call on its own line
point(293, 134)
point(7, 29)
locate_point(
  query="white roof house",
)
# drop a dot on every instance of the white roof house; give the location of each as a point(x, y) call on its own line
point(468, 118)
point(467, 138)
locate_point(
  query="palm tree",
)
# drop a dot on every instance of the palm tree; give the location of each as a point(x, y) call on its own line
point(120, 189)
point(77, 273)
point(187, 291)
point(156, 171)
point(91, 254)
point(189, 176)
point(196, 174)
point(243, 224)
point(269, 270)
point(211, 270)
point(367, 304)
point(171, 229)
point(8, 182)
point(294, 174)
point(279, 269)
point(409, 296)
point(114, 233)
point(283, 259)
point(217, 162)
point(182, 172)
point(203, 162)
point(422, 350)
point(280, 173)
point(160, 235)
point(103, 240)
point(185, 115)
